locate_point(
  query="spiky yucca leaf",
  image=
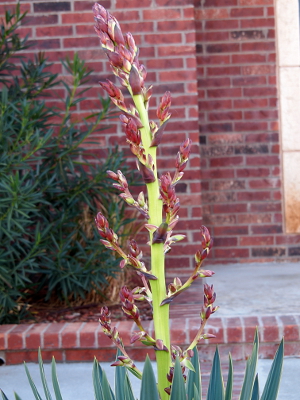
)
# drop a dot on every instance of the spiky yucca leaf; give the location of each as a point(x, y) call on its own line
point(148, 382)
point(3, 395)
point(120, 375)
point(128, 393)
point(43, 377)
point(229, 385)
point(255, 391)
point(97, 382)
point(178, 386)
point(193, 386)
point(106, 386)
point(272, 385)
point(32, 385)
point(55, 383)
point(250, 371)
point(216, 385)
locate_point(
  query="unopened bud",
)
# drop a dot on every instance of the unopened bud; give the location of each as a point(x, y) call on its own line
point(112, 175)
point(160, 234)
point(141, 199)
point(129, 200)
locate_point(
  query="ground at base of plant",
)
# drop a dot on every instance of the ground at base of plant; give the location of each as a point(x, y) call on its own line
point(82, 313)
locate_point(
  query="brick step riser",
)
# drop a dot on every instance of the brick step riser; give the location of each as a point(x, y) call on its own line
point(71, 342)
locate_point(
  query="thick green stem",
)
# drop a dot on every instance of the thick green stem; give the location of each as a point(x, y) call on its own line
point(160, 313)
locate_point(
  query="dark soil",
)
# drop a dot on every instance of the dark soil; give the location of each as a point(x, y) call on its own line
point(84, 313)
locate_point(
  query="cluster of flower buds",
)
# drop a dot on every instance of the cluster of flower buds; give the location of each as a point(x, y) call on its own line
point(174, 286)
point(112, 333)
point(133, 137)
point(171, 204)
point(206, 245)
point(121, 51)
point(128, 306)
point(208, 304)
point(182, 159)
point(122, 185)
point(110, 241)
point(172, 239)
point(138, 265)
point(110, 238)
point(163, 108)
point(126, 361)
point(115, 94)
point(163, 116)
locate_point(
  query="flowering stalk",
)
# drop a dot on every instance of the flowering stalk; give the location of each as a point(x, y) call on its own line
point(160, 314)
point(143, 137)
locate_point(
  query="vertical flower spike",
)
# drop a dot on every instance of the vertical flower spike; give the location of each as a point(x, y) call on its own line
point(143, 137)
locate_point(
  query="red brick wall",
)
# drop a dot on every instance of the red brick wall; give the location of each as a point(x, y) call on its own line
point(239, 131)
point(228, 46)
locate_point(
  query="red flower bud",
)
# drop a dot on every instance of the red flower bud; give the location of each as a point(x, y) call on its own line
point(101, 221)
point(164, 106)
point(112, 175)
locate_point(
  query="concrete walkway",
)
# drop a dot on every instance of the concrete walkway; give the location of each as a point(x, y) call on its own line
point(256, 288)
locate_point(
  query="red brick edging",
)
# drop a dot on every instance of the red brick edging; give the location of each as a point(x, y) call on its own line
point(81, 341)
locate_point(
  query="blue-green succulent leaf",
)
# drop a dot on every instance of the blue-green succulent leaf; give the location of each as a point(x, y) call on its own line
point(216, 386)
point(148, 382)
point(272, 384)
point(193, 386)
point(55, 383)
point(128, 393)
point(229, 385)
point(106, 389)
point(120, 374)
point(97, 383)
point(32, 385)
point(255, 391)
point(250, 372)
point(178, 386)
point(3, 395)
point(43, 377)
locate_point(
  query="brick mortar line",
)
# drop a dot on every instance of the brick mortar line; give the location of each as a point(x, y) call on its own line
point(78, 334)
point(24, 336)
point(280, 326)
point(6, 336)
point(297, 318)
point(42, 336)
point(59, 333)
